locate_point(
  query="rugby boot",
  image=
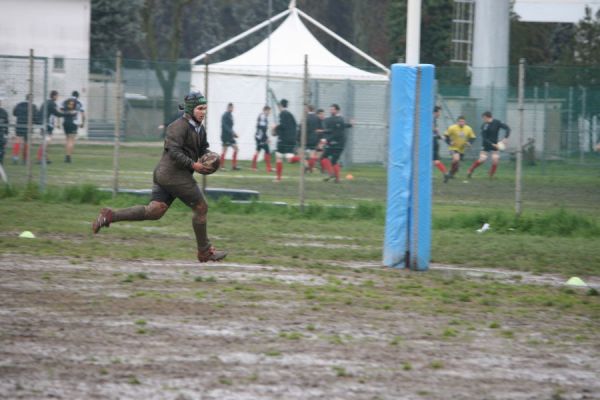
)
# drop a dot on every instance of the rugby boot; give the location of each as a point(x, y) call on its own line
point(103, 220)
point(211, 254)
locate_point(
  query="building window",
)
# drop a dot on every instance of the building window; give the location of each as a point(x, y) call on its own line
point(59, 64)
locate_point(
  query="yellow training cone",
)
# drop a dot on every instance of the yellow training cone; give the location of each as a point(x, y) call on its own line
point(27, 235)
point(575, 281)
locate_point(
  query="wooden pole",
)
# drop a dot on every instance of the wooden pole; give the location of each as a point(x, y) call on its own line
point(519, 169)
point(28, 138)
point(119, 99)
point(303, 133)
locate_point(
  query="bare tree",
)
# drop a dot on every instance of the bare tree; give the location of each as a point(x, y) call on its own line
point(165, 56)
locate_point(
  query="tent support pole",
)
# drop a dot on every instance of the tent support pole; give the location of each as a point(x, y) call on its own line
point(343, 41)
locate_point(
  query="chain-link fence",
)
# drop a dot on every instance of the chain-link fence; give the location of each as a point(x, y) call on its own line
point(561, 126)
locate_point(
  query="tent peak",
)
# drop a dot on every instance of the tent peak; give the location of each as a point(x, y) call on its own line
point(292, 4)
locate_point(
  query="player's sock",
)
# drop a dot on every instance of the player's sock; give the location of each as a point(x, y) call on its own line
point(234, 160)
point(295, 159)
point(268, 162)
point(311, 163)
point(135, 213)
point(223, 160)
point(327, 166)
point(493, 169)
point(279, 168)
point(254, 160)
point(475, 164)
point(323, 166)
point(40, 153)
point(454, 168)
point(25, 151)
point(16, 149)
point(440, 165)
point(336, 171)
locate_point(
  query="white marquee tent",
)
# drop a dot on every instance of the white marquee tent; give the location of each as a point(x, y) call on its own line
point(280, 60)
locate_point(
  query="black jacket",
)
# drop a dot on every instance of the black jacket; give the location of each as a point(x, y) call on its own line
point(334, 129)
point(3, 122)
point(21, 112)
point(287, 128)
point(489, 132)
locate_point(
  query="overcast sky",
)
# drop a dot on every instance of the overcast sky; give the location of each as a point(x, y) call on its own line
point(553, 10)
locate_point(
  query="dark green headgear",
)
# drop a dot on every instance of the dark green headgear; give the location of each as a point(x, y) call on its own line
point(193, 100)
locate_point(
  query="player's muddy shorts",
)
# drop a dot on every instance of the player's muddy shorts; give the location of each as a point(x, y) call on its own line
point(487, 146)
point(286, 148)
point(189, 193)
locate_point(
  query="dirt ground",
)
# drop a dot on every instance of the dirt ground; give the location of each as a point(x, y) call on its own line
point(175, 330)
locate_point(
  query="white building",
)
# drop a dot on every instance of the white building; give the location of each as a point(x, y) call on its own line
point(569, 11)
point(58, 31)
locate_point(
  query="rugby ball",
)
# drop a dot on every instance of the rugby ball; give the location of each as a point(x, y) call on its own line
point(211, 160)
point(501, 146)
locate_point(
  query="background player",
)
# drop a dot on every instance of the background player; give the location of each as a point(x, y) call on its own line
point(262, 139)
point(75, 119)
point(489, 136)
point(50, 110)
point(21, 112)
point(286, 137)
point(336, 139)
point(458, 136)
point(228, 137)
point(184, 144)
point(436, 144)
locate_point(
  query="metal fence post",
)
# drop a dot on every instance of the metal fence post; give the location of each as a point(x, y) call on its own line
point(119, 99)
point(519, 169)
point(545, 138)
point(582, 129)
point(28, 138)
point(44, 165)
point(569, 121)
point(303, 133)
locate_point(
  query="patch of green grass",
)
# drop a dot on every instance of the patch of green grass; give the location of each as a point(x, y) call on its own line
point(133, 380)
point(450, 332)
point(341, 372)
point(436, 364)
point(140, 322)
point(273, 353)
point(396, 341)
point(225, 381)
point(507, 334)
point(494, 325)
point(291, 335)
point(406, 366)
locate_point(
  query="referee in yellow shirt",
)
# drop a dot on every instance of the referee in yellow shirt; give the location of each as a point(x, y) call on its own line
point(458, 136)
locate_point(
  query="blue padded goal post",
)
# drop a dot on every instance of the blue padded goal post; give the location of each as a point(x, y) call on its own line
point(407, 241)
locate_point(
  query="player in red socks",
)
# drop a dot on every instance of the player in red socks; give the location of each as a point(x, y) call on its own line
point(436, 145)
point(313, 124)
point(336, 139)
point(489, 135)
point(262, 140)
point(21, 112)
point(286, 138)
point(228, 137)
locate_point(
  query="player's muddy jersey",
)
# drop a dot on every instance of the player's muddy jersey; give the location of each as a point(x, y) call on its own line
point(458, 137)
point(185, 143)
point(489, 131)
